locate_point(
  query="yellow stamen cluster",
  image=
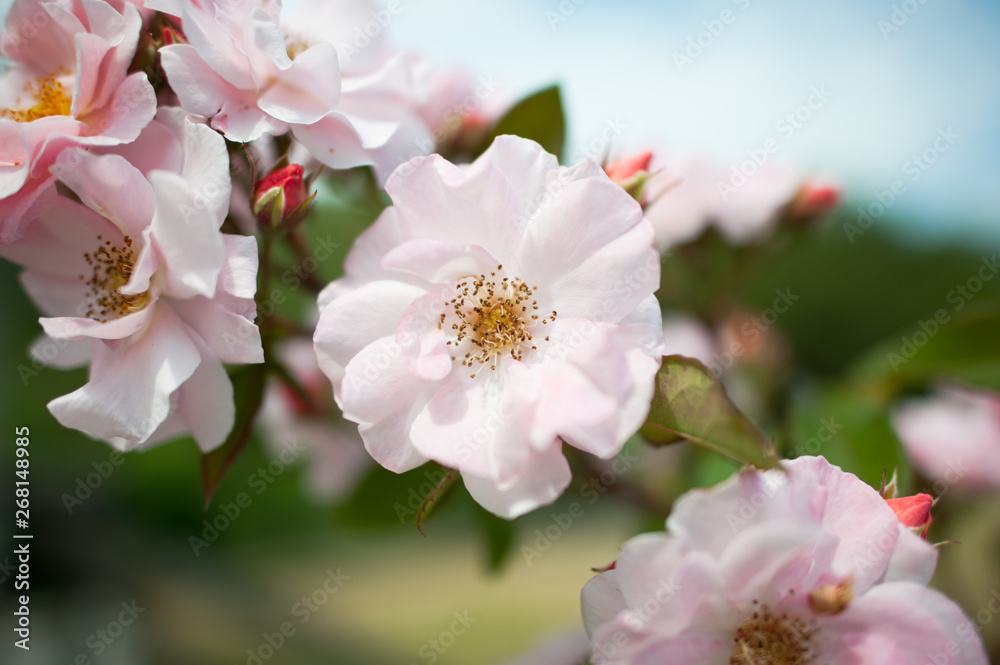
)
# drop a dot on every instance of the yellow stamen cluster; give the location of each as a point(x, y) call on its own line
point(112, 269)
point(495, 315)
point(294, 46)
point(50, 99)
point(766, 638)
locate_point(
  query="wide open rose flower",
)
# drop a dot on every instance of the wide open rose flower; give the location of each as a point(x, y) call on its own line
point(241, 70)
point(494, 312)
point(142, 273)
point(808, 568)
point(68, 85)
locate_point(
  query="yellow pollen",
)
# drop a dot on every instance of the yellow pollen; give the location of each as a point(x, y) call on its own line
point(766, 638)
point(492, 319)
point(295, 46)
point(112, 269)
point(50, 99)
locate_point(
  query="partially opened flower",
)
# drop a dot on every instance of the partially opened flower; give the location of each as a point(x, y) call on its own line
point(808, 568)
point(242, 72)
point(953, 436)
point(141, 271)
point(69, 86)
point(689, 195)
point(493, 313)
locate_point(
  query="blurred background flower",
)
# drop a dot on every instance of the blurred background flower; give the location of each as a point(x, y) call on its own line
point(838, 90)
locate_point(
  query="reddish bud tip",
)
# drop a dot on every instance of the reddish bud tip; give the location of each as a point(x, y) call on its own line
point(913, 511)
point(625, 169)
point(280, 197)
point(814, 199)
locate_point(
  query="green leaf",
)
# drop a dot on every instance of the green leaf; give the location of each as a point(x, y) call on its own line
point(433, 500)
point(538, 117)
point(849, 430)
point(386, 499)
point(499, 536)
point(945, 344)
point(248, 393)
point(691, 403)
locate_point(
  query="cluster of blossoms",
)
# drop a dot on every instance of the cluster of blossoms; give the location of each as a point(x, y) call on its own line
point(117, 181)
point(499, 318)
point(493, 313)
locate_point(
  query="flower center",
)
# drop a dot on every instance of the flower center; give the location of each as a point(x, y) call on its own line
point(112, 268)
point(494, 317)
point(50, 99)
point(766, 638)
point(294, 45)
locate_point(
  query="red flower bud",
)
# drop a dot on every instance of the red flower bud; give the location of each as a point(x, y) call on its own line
point(814, 199)
point(625, 169)
point(913, 511)
point(280, 198)
point(171, 36)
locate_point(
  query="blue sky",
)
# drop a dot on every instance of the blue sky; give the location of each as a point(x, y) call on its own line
point(892, 92)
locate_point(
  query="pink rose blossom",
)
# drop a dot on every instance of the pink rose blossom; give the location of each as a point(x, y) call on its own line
point(141, 271)
point(687, 196)
point(240, 70)
point(953, 436)
point(493, 313)
point(68, 86)
point(807, 567)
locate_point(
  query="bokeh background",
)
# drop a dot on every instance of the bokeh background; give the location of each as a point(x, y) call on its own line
point(129, 539)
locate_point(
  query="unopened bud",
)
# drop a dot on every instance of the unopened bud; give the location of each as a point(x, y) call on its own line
point(913, 511)
point(280, 199)
point(631, 173)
